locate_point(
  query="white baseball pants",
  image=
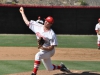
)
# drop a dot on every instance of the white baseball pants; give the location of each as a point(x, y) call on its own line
point(45, 56)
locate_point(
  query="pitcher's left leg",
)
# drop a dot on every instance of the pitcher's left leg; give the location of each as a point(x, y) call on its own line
point(49, 66)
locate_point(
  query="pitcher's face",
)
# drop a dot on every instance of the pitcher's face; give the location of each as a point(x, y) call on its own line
point(47, 24)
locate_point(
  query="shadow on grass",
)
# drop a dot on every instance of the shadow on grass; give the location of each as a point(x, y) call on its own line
point(83, 73)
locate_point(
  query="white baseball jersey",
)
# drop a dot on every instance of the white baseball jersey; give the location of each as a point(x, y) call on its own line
point(49, 36)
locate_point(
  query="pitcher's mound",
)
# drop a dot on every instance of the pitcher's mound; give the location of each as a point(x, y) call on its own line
point(57, 72)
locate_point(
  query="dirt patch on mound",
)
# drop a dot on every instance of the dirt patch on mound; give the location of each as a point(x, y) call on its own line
point(28, 53)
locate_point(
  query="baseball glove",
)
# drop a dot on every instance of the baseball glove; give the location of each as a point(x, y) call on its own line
point(41, 41)
point(98, 32)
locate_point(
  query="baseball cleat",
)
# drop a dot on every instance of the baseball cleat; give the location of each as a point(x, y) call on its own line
point(33, 74)
point(64, 68)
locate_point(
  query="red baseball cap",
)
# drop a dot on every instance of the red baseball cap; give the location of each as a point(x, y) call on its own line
point(50, 19)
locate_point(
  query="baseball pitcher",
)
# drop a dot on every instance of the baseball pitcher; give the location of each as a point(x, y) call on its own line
point(47, 42)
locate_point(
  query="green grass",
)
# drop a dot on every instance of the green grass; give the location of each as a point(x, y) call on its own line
point(77, 41)
point(69, 41)
point(18, 40)
point(15, 66)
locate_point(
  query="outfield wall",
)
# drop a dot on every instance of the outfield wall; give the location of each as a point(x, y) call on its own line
point(68, 20)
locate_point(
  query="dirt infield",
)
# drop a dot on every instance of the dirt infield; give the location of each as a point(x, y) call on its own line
point(27, 53)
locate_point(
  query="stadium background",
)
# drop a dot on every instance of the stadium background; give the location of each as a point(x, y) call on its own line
point(68, 20)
